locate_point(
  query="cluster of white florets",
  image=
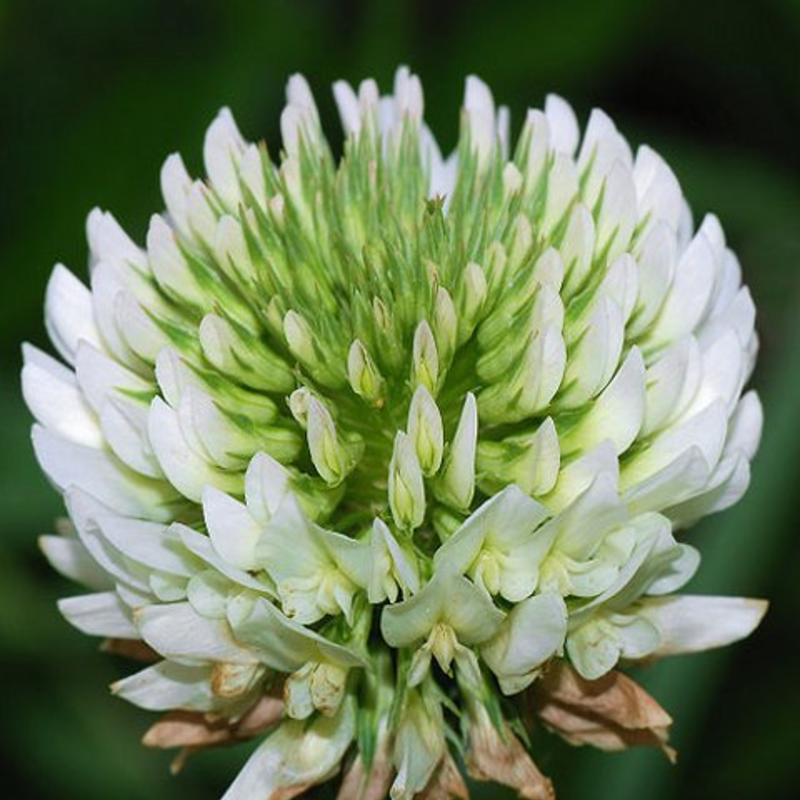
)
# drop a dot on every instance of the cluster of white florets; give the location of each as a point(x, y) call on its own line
point(389, 436)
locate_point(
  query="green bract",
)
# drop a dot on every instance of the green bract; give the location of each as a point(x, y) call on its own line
point(356, 446)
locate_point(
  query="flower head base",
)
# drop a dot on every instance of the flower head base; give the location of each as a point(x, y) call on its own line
point(352, 448)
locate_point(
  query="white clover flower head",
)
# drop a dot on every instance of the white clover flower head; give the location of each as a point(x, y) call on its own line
point(354, 447)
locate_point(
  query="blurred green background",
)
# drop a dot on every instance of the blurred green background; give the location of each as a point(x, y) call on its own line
point(94, 94)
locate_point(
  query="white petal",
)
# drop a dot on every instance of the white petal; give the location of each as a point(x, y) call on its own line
point(621, 284)
point(443, 173)
point(290, 545)
point(390, 566)
point(406, 485)
point(283, 644)
point(169, 265)
point(672, 383)
point(124, 423)
point(576, 476)
point(479, 107)
point(151, 544)
point(187, 471)
point(596, 356)
point(562, 189)
point(745, 426)
point(602, 148)
point(705, 430)
point(295, 757)
point(656, 256)
point(99, 615)
point(222, 153)
point(692, 623)
point(617, 414)
point(101, 475)
point(564, 132)
point(233, 530)
point(109, 242)
point(726, 486)
point(266, 484)
point(298, 92)
point(203, 214)
point(739, 314)
point(426, 430)
point(300, 116)
point(139, 332)
point(69, 316)
point(506, 520)
point(457, 484)
point(617, 217)
point(225, 444)
point(201, 546)
point(595, 511)
point(683, 477)
point(347, 103)
point(601, 135)
point(533, 632)
point(168, 686)
point(71, 558)
point(449, 599)
point(179, 633)
point(51, 393)
point(173, 376)
point(101, 378)
point(723, 373)
point(657, 188)
point(83, 510)
point(419, 743)
point(689, 294)
point(106, 289)
point(175, 183)
point(251, 172)
point(536, 134)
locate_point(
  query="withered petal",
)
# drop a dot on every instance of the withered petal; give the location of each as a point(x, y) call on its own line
point(193, 729)
point(611, 713)
point(491, 758)
point(135, 649)
point(358, 784)
point(446, 782)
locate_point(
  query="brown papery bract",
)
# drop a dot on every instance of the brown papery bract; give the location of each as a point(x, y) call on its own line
point(446, 782)
point(194, 730)
point(611, 713)
point(501, 758)
point(360, 784)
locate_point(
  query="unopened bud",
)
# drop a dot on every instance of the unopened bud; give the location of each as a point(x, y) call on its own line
point(381, 314)
point(406, 486)
point(471, 297)
point(331, 456)
point(445, 323)
point(496, 263)
point(512, 180)
point(522, 241)
point(276, 205)
point(426, 431)
point(222, 345)
point(549, 269)
point(299, 401)
point(425, 358)
point(363, 375)
point(299, 337)
point(456, 486)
